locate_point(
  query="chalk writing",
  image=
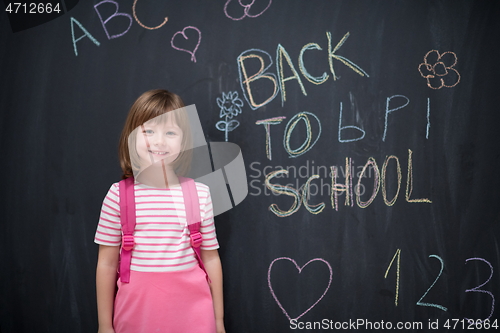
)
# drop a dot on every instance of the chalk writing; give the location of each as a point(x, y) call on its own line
point(115, 14)
point(141, 24)
point(432, 285)
point(477, 290)
point(85, 34)
point(409, 182)
point(376, 184)
point(428, 118)
point(342, 128)
point(441, 307)
point(347, 62)
point(267, 125)
point(230, 106)
point(245, 10)
point(387, 110)
point(397, 254)
point(286, 190)
point(279, 84)
point(300, 271)
point(337, 188)
point(309, 77)
point(438, 69)
point(313, 209)
point(183, 34)
point(384, 184)
point(306, 145)
point(245, 80)
point(280, 53)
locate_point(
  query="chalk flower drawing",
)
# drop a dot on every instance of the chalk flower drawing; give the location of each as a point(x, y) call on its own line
point(230, 106)
point(438, 69)
point(246, 9)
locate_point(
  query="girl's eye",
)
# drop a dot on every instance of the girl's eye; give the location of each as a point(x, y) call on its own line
point(148, 132)
point(171, 133)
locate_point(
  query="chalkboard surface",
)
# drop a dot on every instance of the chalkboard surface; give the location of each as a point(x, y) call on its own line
point(369, 131)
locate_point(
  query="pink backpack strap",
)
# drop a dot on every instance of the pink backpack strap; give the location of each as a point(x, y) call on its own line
point(193, 217)
point(127, 218)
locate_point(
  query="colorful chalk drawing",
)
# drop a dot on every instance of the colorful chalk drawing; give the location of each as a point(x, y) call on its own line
point(347, 187)
point(302, 67)
point(438, 69)
point(246, 10)
point(115, 14)
point(376, 182)
point(278, 80)
point(477, 290)
point(300, 271)
point(342, 128)
point(384, 184)
point(230, 106)
point(432, 285)
point(409, 182)
point(306, 145)
point(85, 34)
point(280, 54)
point(398, 255)
point(313, 209)
point(471, 322)
point(285, 190)
point(245, 80)
point(345, 61)
point(141, 24)
point(370, 170)
point(267, 125)
point(183, 34)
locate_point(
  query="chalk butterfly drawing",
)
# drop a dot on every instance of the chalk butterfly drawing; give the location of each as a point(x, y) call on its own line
point(439, 69)
point(300, 271)
point(230, 106)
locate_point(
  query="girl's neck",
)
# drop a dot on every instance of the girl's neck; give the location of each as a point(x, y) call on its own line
point(158, 175)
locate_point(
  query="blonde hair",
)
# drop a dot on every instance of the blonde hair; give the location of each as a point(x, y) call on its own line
point(149, 105)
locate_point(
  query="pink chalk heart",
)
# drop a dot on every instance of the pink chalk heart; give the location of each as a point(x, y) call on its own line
point(183, 34)
point(300, 271)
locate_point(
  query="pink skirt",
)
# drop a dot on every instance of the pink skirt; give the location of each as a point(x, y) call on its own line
point(177, 302)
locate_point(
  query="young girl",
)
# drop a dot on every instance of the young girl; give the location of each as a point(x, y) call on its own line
point(168, 291)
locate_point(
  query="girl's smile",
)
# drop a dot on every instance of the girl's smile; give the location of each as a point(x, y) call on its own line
point(159, 140)
point(161, 153)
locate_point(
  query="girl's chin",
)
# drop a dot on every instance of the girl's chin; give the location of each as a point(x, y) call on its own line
point(159, 162)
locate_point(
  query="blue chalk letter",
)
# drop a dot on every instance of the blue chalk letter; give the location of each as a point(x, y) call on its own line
point(86, 34)
point(387, 110)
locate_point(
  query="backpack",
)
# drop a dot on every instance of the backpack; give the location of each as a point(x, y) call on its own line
point(127, 217)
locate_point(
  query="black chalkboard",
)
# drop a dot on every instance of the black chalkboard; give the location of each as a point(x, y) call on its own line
point(403, 93)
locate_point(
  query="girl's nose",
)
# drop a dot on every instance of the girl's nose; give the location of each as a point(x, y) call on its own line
point(159, 140)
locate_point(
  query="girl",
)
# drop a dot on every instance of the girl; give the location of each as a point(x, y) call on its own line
point(168, 291)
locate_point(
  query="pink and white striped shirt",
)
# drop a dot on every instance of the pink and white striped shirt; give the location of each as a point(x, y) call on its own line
point(162, 242)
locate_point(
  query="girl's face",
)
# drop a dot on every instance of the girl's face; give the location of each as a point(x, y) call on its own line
point(159, 140)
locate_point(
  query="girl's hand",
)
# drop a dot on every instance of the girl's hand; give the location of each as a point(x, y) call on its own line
point(219, 323)
point(106, 330)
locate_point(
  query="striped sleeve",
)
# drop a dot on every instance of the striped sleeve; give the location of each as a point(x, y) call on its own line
point(109, 228)
point(207, 228)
